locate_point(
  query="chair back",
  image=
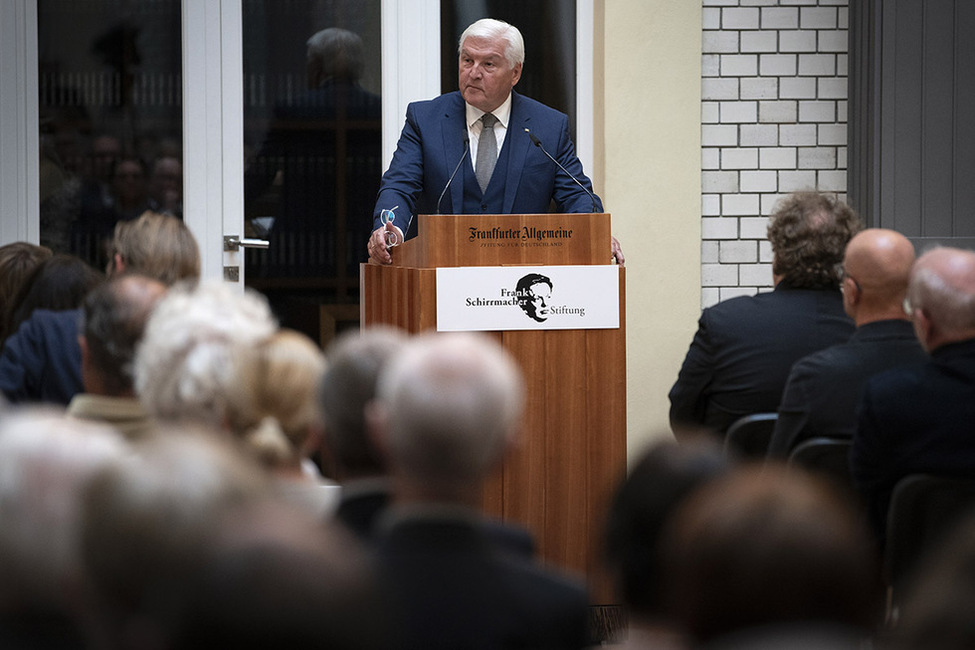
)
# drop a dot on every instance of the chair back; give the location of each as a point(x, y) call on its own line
point(923, 509)
point(829, 457)
point(748, 436)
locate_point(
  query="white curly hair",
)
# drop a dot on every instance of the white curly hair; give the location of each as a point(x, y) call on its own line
point(186, 367)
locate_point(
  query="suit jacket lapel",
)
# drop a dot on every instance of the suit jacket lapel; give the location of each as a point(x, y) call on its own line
point(453, 129)
point(519, 143)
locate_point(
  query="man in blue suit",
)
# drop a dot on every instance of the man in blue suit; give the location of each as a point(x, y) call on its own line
point(505, 174)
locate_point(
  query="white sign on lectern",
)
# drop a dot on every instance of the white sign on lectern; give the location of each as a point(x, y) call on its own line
point(492, 298)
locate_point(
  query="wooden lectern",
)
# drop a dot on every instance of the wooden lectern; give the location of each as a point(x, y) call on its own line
point(573, 453)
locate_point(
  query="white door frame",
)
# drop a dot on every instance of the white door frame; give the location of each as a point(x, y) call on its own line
point(213, 134)
point(20, 202)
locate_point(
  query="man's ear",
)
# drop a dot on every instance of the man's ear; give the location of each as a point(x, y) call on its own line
point(924, 329)
point(85, 352)
point(118, 265)
point(377, 428)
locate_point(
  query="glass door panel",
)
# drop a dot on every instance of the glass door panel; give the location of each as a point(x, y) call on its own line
point(110, 111)
point(312, 154)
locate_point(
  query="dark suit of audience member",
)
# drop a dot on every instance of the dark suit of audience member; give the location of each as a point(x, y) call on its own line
point(41, 361)
point(744, 347)
point(824, 388)
point(448, 408)
point(921, 419)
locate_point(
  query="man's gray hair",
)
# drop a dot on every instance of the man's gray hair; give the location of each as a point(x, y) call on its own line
point(489, 28)
point(452, 402)
point(355, 362)
point(45, 460)
point(186, 366)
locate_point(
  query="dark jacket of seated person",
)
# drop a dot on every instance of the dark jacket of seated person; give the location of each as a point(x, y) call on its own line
point(743, 350)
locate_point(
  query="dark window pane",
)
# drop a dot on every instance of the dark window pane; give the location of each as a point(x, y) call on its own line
point(313, 147)
point(110, 106)
point(549, 30)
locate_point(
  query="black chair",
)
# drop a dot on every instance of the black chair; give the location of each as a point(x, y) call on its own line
point(923, 509)
point(748, 436)
point(829, 457)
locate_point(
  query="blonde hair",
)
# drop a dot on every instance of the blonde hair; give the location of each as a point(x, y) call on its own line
point(277, 407)
point(156, 245)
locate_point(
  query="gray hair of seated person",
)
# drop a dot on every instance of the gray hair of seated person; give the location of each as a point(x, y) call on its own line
point(45, 460)
point(187, 365)
point(355, 361)
point(490, 29)
point(452, 403)
point(114, 317)
point(146, 517)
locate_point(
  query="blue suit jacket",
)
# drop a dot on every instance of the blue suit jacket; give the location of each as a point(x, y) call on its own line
point(432, 143)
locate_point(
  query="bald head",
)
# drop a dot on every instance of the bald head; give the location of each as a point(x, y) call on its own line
point(877, 266)
point(942, 296)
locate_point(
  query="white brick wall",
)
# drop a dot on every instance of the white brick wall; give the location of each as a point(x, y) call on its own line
point(773, 113)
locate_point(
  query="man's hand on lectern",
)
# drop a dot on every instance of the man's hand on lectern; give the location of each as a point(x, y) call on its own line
point(617, 251)
point(381, 240)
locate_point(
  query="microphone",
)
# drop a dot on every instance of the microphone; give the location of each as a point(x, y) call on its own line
point(538, 143)
point(467, 151)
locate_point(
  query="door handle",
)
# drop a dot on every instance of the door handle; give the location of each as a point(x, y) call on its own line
point(234, 243)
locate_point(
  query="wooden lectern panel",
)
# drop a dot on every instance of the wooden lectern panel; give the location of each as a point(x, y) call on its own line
point(572, 454)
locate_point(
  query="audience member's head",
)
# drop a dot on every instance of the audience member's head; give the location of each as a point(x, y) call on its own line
point(876, 269)
point(663, 477)
point(59, 283)
point(146, 520)
point(276, 409)
point(334, 54)
point(18, 261)
point(448, 407)
point(45, 460)
point(938, 612)
point(166, 185)
point(155, 245)
point(767, 548)
point(941, 297)
point(129, 184)
point(809, 232)
point(272, 578)
point(114, 318)
point(196, 342)
point(355, 361)
point(106, 149)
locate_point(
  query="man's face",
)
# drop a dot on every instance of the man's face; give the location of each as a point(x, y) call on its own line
point(486, 78)
point(539, 296)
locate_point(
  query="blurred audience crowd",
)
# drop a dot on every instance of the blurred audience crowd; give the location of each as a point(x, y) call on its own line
point(179, 471)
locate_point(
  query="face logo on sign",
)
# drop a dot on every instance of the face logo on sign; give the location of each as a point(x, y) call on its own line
point(534, 293)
